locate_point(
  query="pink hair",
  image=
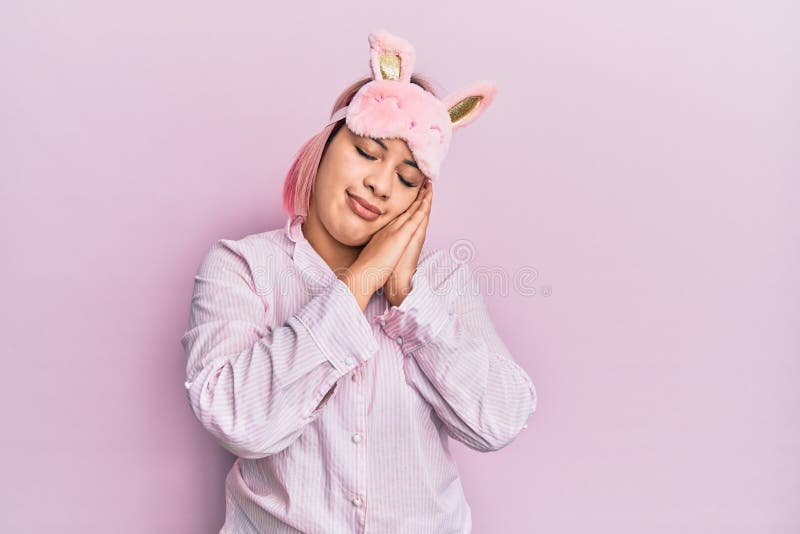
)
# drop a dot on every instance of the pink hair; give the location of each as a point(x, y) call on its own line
point(299, 182)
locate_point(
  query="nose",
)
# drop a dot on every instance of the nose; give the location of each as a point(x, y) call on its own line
point(380, 183)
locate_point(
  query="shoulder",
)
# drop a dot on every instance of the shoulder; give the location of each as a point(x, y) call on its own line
point(444, 268)
point(250, 254)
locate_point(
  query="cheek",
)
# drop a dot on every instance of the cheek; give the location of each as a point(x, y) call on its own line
point(402, 204)
point(337, 160)
point(332, 177)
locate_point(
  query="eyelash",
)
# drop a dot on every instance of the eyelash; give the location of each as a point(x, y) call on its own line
point(372, 158)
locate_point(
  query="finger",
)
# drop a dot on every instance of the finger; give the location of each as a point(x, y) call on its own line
point(414, 245)
point(425, 191)
point(415, 215)
point(421, 190)
point(419, 233)
point(401, 219)
point(414, 228)
point(429, 199)
point(418, 203)
point(424, 209)
point(410, 257)
point(423, 224)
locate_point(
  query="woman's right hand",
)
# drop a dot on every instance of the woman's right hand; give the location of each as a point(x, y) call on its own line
point(384, 249)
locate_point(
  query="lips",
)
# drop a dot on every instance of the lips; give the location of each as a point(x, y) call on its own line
point(366, 204)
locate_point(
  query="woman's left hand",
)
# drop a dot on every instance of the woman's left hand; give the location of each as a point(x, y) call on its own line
point(398, 285)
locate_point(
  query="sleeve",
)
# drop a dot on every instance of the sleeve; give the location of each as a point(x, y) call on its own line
point(457, 361)
point(255, 386)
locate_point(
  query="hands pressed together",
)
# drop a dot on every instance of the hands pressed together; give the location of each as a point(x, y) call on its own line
point(390, 258)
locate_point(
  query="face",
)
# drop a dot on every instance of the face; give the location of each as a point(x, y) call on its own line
point(381, 172)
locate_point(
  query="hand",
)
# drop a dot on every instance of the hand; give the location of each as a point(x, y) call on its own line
point(398, 285)
point(379, 256)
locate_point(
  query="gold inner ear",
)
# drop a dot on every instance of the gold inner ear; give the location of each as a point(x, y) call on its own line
point(464, 108)
point(390, 66)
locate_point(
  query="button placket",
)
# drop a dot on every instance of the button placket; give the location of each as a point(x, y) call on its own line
point(358, 409)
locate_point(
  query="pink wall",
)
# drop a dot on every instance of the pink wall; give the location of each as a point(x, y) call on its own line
point(648, 165)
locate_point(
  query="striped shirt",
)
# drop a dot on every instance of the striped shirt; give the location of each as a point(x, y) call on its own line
point(272, 331)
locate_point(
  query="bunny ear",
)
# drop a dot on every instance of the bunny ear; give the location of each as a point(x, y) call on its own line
point(390, 57)
point(469, 103)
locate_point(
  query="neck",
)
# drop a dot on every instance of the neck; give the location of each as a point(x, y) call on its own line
point(338, 256)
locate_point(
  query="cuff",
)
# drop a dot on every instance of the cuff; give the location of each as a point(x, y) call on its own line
point(337, 325)
point(419, 318)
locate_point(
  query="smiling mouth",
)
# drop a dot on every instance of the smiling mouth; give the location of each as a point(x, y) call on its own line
point(361, 210)
point(365, 204)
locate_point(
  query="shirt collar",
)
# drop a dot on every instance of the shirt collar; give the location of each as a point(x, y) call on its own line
point(293, 228)
point(313, 269)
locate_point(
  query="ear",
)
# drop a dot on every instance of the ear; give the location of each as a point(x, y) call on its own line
point(469, 103)
point(390, 57)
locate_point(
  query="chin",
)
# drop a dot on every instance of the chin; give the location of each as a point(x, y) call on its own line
point(350, 230)
point(354, 239)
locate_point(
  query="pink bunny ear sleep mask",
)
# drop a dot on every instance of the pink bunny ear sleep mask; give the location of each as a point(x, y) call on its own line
point(390, 106)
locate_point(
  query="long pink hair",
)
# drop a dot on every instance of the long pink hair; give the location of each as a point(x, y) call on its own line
point(299, 182)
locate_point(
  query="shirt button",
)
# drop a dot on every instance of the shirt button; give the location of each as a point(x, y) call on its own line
point(353, 376)
point(399, 340)
point(348, 360)
point(383, 321)
point(356, 438)
point(356, 501)
point(187, 384)
point(525, 425)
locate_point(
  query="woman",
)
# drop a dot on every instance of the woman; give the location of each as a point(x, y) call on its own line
point(336, 355)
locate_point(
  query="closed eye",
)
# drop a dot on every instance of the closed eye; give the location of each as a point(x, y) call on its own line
point(373, 158)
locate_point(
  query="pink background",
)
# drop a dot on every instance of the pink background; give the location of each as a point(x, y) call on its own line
point(641, 157)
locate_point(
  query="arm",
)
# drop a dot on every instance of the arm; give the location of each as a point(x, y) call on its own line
point(457, 361)
point(256, 386)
